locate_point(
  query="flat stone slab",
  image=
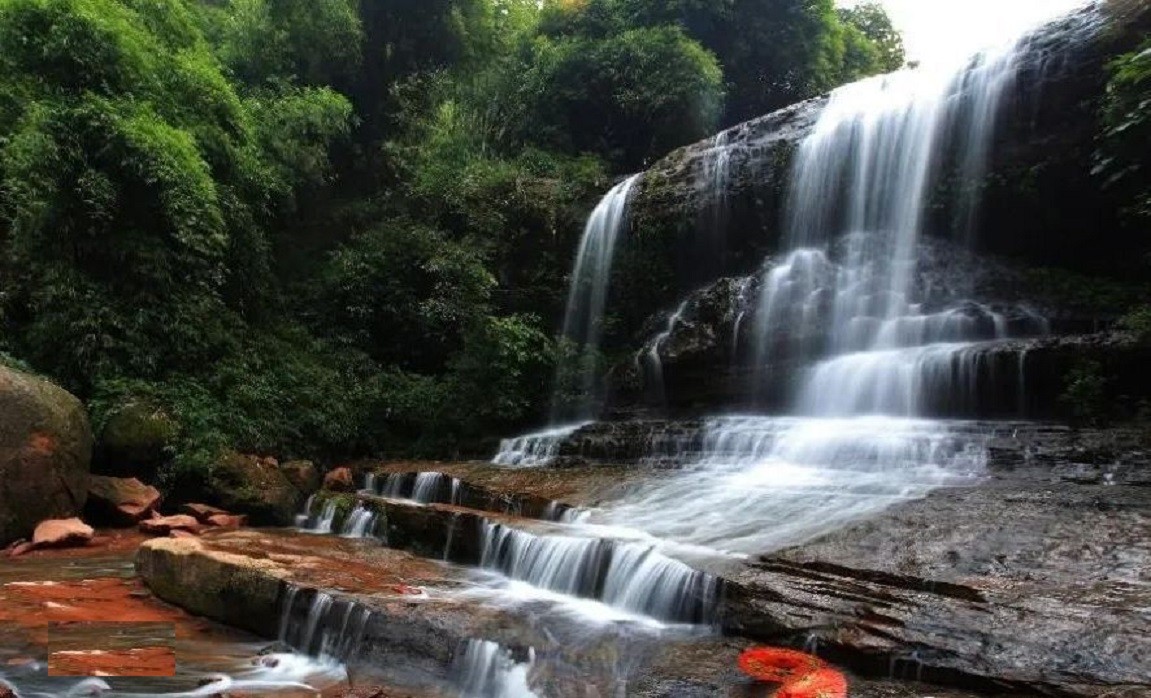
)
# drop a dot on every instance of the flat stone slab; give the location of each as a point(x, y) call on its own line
point(416, 641)
point(1038, 579)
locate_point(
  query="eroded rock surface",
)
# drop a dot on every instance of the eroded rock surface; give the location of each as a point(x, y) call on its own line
point(1038, 579)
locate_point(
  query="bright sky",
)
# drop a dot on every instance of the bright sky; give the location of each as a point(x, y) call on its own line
point(936, 30)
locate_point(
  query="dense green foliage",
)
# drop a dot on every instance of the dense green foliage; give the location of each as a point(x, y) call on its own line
point(1122, 159)
point(329, 227)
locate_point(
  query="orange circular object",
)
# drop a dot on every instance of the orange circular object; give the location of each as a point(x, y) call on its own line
point(802, 675)
point(822, 683)
point(777, 665)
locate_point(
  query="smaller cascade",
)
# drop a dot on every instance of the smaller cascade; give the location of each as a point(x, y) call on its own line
point(652, 360)
point(628, 575)
point(422, 488)
point(587, 297)
point(322, 523)
point(361, 522)
point(485, 669)
point(534, 450)
point(302, 518)
point(331, 629)
point(562, 513)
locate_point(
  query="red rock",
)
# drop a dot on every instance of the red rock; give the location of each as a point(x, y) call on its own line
point(166, 524)
point(20, 548)
point(228, 520)
point(62, 533)
point(340, 480)
point(6, 692)
point(181, 533)
point(202, 512)
point(121, 500)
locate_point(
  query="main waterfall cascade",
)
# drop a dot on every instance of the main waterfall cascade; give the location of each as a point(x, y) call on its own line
point(878, 338)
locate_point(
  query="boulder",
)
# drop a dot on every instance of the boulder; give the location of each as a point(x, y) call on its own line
point(303, 474)
point(19, 548)
point(228, 521)
point(245, 484)
point(118, 500)
point(163, 525)
point(340, 480)
point(180, 533)
point(45, 452)
point(202, 512)
point(62, 533)
point(135, 441)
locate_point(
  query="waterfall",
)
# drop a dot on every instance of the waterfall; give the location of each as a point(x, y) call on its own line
point(331, 629)
point(361, 522)
point(423, 488)
point(319, 524)
point(652, 360)
point(484, 669)
point(587, 299)
point(751, 484)
point(846, 292)
point(532, 450)
point(628, 575)
point(577, 386)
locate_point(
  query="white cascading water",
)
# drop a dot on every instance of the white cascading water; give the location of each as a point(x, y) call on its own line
point(587, 298)
point(842, 300)
point(650, 357)
point(628, 575)
point(321, 523)
point(484, 669)
point(361, 522)
point(534, 450)
point(862, 179)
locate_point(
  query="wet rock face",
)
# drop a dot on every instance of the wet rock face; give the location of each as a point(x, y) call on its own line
point(1041, 200)
point(1033, 581)
point(45, 451)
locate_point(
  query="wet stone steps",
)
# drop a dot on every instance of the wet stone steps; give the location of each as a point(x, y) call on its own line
point(398, 620)
point(630, 574)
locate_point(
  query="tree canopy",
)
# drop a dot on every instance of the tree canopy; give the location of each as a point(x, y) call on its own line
point(342, 226)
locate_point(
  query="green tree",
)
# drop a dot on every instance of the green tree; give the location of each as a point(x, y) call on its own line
point(132, 186)
point(632, 96)
point(879, 36)
point(314, 42)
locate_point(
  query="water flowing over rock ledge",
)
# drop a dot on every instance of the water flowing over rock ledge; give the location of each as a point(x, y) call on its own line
point(1030, 581)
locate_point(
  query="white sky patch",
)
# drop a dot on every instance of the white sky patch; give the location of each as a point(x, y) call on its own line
point(942, 30)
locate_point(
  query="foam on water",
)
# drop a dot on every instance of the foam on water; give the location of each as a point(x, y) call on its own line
point(537, 449)
point(762, 483)
point(484, 669)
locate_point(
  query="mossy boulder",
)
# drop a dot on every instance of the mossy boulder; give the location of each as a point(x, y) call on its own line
point(303, 474)
point(45, 453)
point(234, 589)
point(243, 484)
point(136, 440)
